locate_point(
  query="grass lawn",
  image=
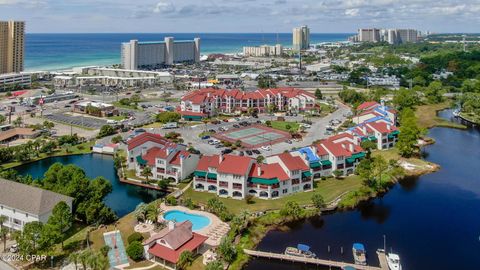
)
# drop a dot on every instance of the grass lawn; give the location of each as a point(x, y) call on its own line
point(427, 116)
point(471, 117)
point(282, 125)
point(124, 225)
point(83, 148)
point(117, 118)
point(131, 107)
point(329, 189)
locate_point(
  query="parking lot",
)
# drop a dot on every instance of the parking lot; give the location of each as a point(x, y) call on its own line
point(82, 121)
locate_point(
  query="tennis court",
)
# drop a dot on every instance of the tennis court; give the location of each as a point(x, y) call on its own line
point(254, 136)
point(117, 256)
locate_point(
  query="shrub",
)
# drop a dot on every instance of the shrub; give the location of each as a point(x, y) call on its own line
point(171, 200)
point(136, 236)
point(135, 251)
point(104, 250)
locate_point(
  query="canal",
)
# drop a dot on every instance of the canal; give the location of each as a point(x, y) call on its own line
point(123, 199)
point(432, 221)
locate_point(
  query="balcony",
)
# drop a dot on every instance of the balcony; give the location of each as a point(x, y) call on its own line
point(237, 186)
point(200, 179)
point(211, 181)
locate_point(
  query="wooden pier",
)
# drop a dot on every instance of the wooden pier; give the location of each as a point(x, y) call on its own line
point(284, 257)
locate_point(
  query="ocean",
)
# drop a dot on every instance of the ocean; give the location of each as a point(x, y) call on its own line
point(64, 51)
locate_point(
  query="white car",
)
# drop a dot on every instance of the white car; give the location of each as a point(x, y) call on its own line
point(266, 148)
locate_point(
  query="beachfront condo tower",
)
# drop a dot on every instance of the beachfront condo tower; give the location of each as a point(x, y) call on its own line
point(12, 46)
point(157, 54)
point(301, 38)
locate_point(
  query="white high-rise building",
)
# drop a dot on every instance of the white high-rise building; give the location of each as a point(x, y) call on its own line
point(263, 50)
point(369, 35)
point(155, 54)
point(392, 36)
point(301, 38)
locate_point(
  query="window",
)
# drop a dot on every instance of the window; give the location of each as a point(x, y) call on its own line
point(285, 191)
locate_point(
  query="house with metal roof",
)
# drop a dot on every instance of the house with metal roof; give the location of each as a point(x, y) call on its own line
point(21, 203)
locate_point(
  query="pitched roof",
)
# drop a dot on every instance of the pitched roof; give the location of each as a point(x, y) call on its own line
point(29, 199)
point(293, 162)
point(268, 171)
point(367, 105)
point(232, 164)
point(382, 127)
point(153, 153)
point(179, 235)
point(146, 137)
point(173, 255)
point(206, 162)
point(178, 156)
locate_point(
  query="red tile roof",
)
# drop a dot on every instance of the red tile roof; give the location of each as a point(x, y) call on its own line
point(153, 153)
point(176, 159)
point(234, 164)
point(268, 171)
point(293, 162)
point(146, 137)
point(382, 127)
point(367, 105)
point(173, 255)
point(207, 161)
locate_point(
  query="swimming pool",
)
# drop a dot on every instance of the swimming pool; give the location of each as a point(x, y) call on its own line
point(199, 222)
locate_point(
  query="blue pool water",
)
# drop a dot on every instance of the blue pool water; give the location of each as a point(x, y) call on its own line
point(199, 222)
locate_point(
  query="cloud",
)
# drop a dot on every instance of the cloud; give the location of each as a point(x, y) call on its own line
point(164, 7)
point(352, 12)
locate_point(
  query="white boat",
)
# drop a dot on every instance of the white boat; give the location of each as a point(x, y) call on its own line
point(359, 254)
point(300, 251)
point(393, 261)
point(456, 113)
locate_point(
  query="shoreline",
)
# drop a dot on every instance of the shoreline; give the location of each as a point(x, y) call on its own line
point(260, 233)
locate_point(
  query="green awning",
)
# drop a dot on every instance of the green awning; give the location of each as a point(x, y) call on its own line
point(372, 138)
point(396, 132)
point(326, 162)
point(212, 176)
point(192, 117)
point(390, 136)
point(200, 173)
point(350, 160)
point(306, 174)
point(264, 181)
point(141, 161)
point(315, 165)
point(358, 155)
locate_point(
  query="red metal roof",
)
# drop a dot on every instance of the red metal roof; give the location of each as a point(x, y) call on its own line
point(367, 105)
point(176, 159)
point(146, 137)
point(293, 162)
point(153, 153)
point(382, 127)
point(207, 161)
point(173, 255)
point(234, 164)
point(268, 171)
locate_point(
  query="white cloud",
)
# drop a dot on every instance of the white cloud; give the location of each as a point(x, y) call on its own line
point(352, 12)
point(164, 7)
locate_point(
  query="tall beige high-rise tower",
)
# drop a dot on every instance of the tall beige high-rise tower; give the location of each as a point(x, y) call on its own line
point(301, 38)
point(12, 46)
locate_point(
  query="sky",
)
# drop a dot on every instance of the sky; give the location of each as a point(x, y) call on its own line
point(242, 16)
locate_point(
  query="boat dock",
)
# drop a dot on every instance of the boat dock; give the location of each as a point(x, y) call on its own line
point(284, 257)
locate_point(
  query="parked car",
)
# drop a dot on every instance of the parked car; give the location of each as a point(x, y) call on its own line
point(248, 152)
point(205, 137)
point(236, 126)
point(227, 151)
point(241, 153)
point(212, 131)
point(225, 120)
point(289, 141)
point(255, 151)
point(266, 148)
point(219, 145)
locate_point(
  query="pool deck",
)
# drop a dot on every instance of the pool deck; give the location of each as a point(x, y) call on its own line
point(215, 231)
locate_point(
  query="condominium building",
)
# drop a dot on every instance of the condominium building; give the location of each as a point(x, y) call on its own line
point(13, 80)
point(239, 176)
point(263, 50)
point(21, 204)
point(392, 36)
point(208, 102)
point(369, 35)
point(12, 46)
point(301, 38)
point(166, 159)
point(156, 54)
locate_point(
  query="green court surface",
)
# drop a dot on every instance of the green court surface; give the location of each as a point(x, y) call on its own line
point(243, 133)
point(263, 138)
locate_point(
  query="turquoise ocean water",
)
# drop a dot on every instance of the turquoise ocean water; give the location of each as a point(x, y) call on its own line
point(64, 51)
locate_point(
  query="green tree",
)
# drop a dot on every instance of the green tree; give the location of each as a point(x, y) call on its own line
point(106, 130)
point(434, 92)
point(291, 209)
point(135, 251)
point(74, 258)
point(146, 172)
point(2, 118)
point(318, 94)
point(167, 117)
point(18, 122)
point(29, 240)
point(117, 139)
point(60, 220)
point(318, 201)
point(164, 184)
point(186, 259)
point(409, 134)
point(136, 236)
point(405, 98)
point(337, 173)
point(365, 171)
point(3, 232)
point(368, 146)
point(260, 159)
point(226, 250)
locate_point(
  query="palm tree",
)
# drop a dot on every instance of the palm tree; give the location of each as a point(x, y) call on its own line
point(152, 212)
point(141, 211)
point(84, 258)
point(186, 259)
point(3, 232)
point(74, 258)
point(146, 172)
